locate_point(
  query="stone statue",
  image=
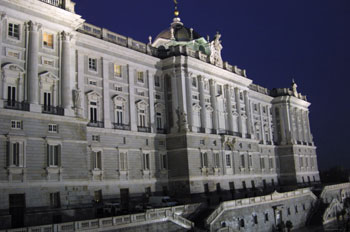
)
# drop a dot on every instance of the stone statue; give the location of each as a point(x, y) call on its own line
point(77, 99)
point(294, 88)
point(182, 120)
point(216, 47)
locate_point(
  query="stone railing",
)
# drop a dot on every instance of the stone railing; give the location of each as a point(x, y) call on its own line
point(330, 188)
point(172, 214)
point(256, 200)
point(259, 89)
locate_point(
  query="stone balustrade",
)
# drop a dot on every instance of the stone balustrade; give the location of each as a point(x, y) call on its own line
point(172, 214)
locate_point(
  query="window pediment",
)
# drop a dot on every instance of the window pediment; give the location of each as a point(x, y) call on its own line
point(93, 95)
point(196, 107)
point(47, 77)
point(159, 106)
point(141, 104)
point(119, 100)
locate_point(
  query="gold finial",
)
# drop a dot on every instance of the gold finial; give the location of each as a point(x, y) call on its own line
point(176, 12)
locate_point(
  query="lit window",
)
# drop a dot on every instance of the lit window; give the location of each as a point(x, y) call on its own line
point(16, 124)
point(117, 70)
point(53, 155)
point(92, 64)
point(13, 30)
point(48, 40)
point(140, 77)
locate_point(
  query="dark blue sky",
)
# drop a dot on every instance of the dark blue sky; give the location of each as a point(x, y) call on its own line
point(274, 40)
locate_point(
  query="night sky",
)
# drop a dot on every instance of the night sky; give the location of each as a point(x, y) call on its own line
point(274, 40)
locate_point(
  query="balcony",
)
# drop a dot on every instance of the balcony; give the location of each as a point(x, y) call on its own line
point(57, 3)
point(237, 134)
point(213, 131)
point(56, 110)
point(15, 105)
point(120, 126)
point(201, 130)
point(161, 131)
point(248, 136)
point(97, 124)
point(144, 129)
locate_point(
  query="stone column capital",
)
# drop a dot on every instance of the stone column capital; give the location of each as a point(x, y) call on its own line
point(33, 26)
point(66, 36)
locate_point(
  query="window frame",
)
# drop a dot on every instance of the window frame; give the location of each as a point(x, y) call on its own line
point(92, 64)
point(45, 44)
point(12, 37)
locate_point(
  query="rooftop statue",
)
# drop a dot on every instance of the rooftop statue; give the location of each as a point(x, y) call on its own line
point(216, 47)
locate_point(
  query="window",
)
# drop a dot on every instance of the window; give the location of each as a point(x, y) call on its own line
point(219, 90)
point(296, 209)
point(93, 64)
point(146, 161)
point(53, 153)
point(207, 100)
point(266, 217)
point(119, 115)
point(304, 207)
point(118, 88)
point(250, 161)
point(93, 111)
point(159, 121)
point(204, 160)
point(301, 161)
point(11, 95)
point(48, 40)
point(217, 160)
point(15, 154)
point(288, 211)
point(206, 85)
point(55, 201)
point(48, 62)
point(93, 82)
point(16, 124)
point(194, 82)
point(271, 163)
point(202, 142)
point(47, 101)
point(262, 162)
point(255, 218)
point(13, 30)
point(140, 77)
point(164, 161)
point(255, 107)
point(228, 160)
point(241, 96)
point(97, 160)
point(158, 97)
point(117, 70)
point(142, 118)
point(157, 81)
point(53, 128)
point(242, 161)
point(95, 138)
point(195, 97)
point(123, 161)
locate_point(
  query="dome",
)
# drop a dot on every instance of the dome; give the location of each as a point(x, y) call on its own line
point(181, 33)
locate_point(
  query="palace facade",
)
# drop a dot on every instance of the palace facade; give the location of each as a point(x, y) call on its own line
point(87, 114)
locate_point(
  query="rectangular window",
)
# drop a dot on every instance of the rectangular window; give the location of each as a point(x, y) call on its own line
point(146, 161)
point(55, 201)
point(95, 138)
point(219, 89)
point(93, 82)
point(271, 162)
point(301, 161)
point(123, 161)
point(228, 160)
point(93, 64)
point(48, 40)
point(140, 77)
point(15, 154)
point(97, 160)
point(164, 161)
point(217, 160)
point(158, 97)
point(242, 161)
point(119, 115)
point(53, 155)
point(53, 128)
point(13, 30)
point(11, 95)
point(157, 81)
point(250, 161)
point(142, 120)
point(47, 101)
point(194, 82)
point(202, 142)
point(118, 88)
point(195, 97)
point(117, 70)
point(262, 162)
point(16, 124)
point(93, 112)
point(204, 160)
point(159, 121)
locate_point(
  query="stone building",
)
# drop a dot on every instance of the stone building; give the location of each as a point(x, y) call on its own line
point(87, 114)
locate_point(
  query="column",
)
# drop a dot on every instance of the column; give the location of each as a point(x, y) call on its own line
point(174, 104)
point(202, 102)
point(106, 96)
point(79, 102)
point(2, 78)
point(214, 104)
point(308, 127)
point(297, 136)
point(238, 105)
point(66, 76)
point(262, 128)
point(269, 121)
point(189, 102)
point(229, 108)
point(249, 115)
point(182, 75)
point(132, 106)
point(32, 67)
point(151, 101)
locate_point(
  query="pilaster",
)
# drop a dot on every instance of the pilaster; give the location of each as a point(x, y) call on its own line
point(248, 111)
point(238, 103)
point(2, 32)
point(175, 104)
point(66, 77)
point(106, 96)
point(151, 102)
point(189, 103)
point(229, 107)
point(32, 67)
point(212, 84)
point(202, 102)
point(132, 106)
point(79, 96)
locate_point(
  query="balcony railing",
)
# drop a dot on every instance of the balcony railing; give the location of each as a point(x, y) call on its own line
point(212, 131)
point(15, 105)
point(58, 3)
point(248, 136)
point(144, 129)
point(53, 110)
point(201, 130)
point(120, 126)
point(238, 134)
point(161, 131)
point(96, 124)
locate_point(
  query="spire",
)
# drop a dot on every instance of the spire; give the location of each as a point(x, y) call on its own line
point(176, 12)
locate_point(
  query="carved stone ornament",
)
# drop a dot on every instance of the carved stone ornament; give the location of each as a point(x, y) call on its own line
point(66, 36)
point(34, 26)
point(77, 98)
point(216, 47)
